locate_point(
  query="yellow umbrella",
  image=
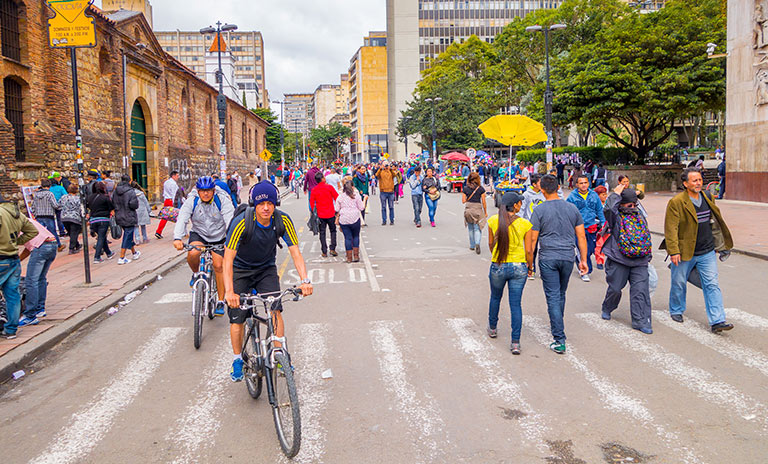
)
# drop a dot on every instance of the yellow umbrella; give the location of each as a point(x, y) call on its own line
point(514, 130)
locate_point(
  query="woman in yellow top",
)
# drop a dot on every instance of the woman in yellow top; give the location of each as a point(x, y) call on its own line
point(511, 244)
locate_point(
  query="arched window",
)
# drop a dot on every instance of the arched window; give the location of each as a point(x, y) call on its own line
point(105, 65)
point(244, 139)
point(186, 130)
point(14, 112)
point(9, 29)
point(250, 148)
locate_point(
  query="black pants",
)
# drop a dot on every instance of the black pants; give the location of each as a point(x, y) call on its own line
point(73, 229)
point(102, 229)
point(331, 224)
point(617, 275)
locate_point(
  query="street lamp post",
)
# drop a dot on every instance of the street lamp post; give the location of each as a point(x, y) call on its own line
point(282, 137)
point(548, 95)
point(434, 129)
point(221, 100)
point(405, 134)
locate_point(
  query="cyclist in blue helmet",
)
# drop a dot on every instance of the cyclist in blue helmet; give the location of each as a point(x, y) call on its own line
point(209, 210)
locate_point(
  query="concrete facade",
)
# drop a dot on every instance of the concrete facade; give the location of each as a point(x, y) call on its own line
point(178, 109)
point(747, 101)
point(368, 98)
point(297, 117)
point(326, 103)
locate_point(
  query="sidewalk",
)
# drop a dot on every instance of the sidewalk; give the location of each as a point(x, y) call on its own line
point(747, 221)
point(67, 296)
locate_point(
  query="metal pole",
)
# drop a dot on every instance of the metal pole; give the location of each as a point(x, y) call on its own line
point(434, 136)
point(80, 169)
point(222, 107)
point(282, 137)
point(548, 101)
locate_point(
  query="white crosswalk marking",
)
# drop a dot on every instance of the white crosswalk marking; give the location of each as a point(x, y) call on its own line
point(496, 382)
point(725, 346)
point(89, 425)
point(200, 420)
point(422, 418)
point(745, 318)
point(681, 371)
point(309, 357)
point(175, 298)
point(613, 395)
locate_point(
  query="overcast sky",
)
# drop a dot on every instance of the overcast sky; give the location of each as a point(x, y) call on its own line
point(306, 42)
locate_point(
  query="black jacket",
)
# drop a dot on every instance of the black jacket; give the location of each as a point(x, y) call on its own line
point(100, 205)
point(126, 203)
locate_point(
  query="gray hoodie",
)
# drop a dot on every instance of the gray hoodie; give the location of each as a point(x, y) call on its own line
point(531, 200)
point(207, 221)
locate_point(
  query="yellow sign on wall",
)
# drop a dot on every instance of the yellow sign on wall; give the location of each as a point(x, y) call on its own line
point(266, 155)
point(71, 27)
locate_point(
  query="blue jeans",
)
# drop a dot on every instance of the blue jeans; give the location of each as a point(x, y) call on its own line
point(431, 206)
point(10, 275)
point(387, 199)
point(475, 235)
point(351, 235)
point(591, 244)
point(418, 202)
point(128, 242)
point(554, 276)
point(36, 281)
point(713, 298)
point(599, 181)
point(513, 276)
point(50, 224)
point(101, 228)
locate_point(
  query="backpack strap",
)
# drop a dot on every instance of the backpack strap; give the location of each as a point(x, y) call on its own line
point(216, 201)
point(250, 224)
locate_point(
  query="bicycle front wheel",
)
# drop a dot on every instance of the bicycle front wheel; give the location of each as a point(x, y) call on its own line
point(285, 410)
point(253, 371)
point(198, 305)
point(213, 296)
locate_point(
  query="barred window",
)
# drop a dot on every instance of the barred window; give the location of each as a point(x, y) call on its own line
point(9, 29)
point(14, 112)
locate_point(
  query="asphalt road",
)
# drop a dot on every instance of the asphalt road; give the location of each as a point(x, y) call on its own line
point(414, 377)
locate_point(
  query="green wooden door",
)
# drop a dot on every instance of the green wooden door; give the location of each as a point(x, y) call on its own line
point(138, 146)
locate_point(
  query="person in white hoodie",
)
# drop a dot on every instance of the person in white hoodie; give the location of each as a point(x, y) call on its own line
point(210, 210)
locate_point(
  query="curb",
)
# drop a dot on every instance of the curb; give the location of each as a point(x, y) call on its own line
point(751, 254)
point(24, 354)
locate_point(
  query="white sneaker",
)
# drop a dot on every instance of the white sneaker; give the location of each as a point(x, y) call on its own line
point(136, 255)
point(123, 261)
point(585, 278)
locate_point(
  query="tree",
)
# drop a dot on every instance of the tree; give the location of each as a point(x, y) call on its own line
point(327, 139)
point(643, 72)
point(273, 130)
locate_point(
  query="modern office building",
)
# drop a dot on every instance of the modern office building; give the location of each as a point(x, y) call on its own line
point(645, 6)
point(368, 98)
point(419, 30)
point(297, 118)
point(247, 48)
point(325, 104)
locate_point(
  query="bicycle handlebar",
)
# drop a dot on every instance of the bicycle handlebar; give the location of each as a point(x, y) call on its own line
point(204, 247)
point(249, 299)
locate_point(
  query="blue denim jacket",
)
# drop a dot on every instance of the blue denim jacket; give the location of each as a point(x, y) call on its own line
point(591, 209)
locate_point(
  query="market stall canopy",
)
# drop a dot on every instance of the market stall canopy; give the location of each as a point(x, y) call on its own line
point(514, 130)
point(455, 156)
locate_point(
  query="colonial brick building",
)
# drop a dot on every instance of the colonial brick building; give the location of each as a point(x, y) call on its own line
point(142, 111)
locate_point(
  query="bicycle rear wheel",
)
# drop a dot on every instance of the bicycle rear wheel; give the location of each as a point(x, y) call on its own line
point(285, 410)
point(253, 372)
point(198, 304)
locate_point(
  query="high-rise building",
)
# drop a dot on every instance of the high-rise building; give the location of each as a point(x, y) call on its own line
point(142, 6)
point(419, 30)
point(368, 98)
point(646, 6)
point(325, 104)
point(297, 117)
point(247, 48)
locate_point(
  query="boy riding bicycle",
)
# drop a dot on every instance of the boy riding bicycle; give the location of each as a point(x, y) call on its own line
point(210, 211)
point(249, 262)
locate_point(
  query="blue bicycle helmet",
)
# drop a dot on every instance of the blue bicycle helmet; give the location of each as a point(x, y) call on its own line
point(205, 183)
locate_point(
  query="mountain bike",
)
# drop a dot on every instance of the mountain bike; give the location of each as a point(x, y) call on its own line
point(263, 360)
point(205, 294)
point(297, 187)
point(714, 189)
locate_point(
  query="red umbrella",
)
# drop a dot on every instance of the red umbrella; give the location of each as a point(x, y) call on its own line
point(455, 156)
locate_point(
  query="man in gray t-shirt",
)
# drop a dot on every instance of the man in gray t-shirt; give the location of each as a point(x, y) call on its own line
point(555, 222)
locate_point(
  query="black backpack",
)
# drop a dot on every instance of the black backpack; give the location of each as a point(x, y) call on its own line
point(250, 222)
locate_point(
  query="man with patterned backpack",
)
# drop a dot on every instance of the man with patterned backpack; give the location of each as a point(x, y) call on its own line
point(628, 250)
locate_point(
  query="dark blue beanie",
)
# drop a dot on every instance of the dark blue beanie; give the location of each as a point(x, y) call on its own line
point(264, 191)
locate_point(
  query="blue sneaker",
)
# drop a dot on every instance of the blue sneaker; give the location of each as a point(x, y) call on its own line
point(41, 314)
point(606, 315)
point(192, 281)
point(236, 373)
point(219, 311)
point(28, 321)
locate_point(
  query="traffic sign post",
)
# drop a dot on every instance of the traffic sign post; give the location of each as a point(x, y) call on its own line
point(72, 28)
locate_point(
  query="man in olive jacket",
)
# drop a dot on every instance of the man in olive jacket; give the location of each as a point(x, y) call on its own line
point(15, 230)
point(690, 236)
